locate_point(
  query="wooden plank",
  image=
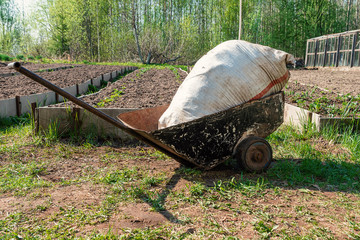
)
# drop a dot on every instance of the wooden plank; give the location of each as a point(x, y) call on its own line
point(34, 118)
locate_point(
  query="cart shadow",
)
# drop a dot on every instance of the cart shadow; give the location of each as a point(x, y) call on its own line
point(159, 202)
point(306, 173)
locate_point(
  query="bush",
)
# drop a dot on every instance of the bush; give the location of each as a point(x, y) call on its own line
point(5, 57)
point(20, 57)
point(30, 58)
point(38, 57)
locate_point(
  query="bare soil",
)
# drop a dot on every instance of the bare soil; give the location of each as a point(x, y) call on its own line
point(4, 70)
point(139, 89)
point(341, 80)
point(155, 87)
point(20, 85)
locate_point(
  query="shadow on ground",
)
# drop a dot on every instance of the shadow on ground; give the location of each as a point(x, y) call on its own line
point(308, 174)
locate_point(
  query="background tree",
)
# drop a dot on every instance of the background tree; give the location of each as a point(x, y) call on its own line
point(158, 31)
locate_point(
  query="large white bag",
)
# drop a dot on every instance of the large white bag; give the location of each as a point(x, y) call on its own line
point(232, 73)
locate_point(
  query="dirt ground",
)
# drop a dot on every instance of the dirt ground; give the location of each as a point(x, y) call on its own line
point(4, 70)
point(76, 194)
point(157, 87)
point(342, 80)
point(20, 85)
point(80, 188)
point(139, 89)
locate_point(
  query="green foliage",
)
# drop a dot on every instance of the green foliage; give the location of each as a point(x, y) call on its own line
point(114, 95)
point(20, 57)
point(5, 57)
point(91, 89)
point(161, 32)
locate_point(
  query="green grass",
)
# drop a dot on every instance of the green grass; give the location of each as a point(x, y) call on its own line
point(132, 64)
point(63, 188)
point(299, 163)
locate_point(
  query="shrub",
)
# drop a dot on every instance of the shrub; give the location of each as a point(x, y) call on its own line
point(38, 57)
point(30, 58)
point(5, 57)
point(20, 57)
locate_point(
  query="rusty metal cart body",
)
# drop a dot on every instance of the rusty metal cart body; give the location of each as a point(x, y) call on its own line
point(206, 142)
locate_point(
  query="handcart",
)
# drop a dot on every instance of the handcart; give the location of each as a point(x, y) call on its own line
point(206, 142)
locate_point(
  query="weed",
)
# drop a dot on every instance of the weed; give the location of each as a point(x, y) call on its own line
point(22, 178)
point(116, 93)
point(265, 230)
point(197, 190)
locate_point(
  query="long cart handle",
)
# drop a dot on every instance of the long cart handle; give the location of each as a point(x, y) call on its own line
point(17, 66)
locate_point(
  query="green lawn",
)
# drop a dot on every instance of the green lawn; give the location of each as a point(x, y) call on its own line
point(84, 187)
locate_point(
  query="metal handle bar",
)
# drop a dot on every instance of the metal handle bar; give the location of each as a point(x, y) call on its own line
point(17, 66)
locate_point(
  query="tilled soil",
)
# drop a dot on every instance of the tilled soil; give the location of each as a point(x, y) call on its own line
point(33, 67)
point(157, 87)
point(20, 85)
point(139, 89)
point(339, 80)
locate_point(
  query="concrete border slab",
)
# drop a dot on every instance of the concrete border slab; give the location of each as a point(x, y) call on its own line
point(63, 119)
point(7, 107)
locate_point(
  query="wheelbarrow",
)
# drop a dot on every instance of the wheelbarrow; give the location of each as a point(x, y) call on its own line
point(206, 142)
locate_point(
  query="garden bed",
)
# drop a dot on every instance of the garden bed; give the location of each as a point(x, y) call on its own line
point(155, 87)
point(142, 88)
point(5, 71)
point(322, 101)
point(145, 88)
point(20, 85)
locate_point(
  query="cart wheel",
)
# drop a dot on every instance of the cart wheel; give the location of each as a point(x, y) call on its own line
point(254, 154)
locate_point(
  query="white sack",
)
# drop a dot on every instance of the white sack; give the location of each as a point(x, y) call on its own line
point(232, 73)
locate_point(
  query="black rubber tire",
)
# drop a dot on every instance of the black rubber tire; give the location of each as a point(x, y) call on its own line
point(253, 154)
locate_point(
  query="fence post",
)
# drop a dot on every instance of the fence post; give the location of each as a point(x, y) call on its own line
point(315, 53)
point(325, 51)
point(353, 50)
point(338, 51)
point(34, 118)
point(18, 106)
point(306, 55)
